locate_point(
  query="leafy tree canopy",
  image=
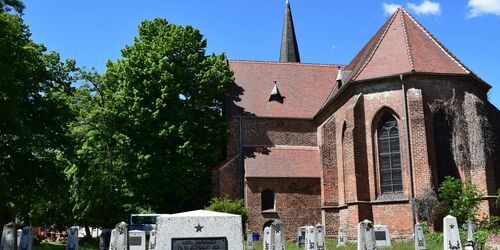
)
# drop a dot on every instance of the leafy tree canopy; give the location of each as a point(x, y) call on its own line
point(8, 5)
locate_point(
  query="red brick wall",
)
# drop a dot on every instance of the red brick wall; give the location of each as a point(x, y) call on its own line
point(297, 203)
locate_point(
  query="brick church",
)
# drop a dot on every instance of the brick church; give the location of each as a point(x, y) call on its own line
point(336, 144)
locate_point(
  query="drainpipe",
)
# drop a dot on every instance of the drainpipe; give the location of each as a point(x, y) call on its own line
point(408, 155)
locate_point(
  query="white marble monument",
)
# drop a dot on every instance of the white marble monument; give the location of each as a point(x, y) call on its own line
point(382, 236)
point(266, 244)
point(451, 234)
point(8, 237)
point(301, 236)
point(152, 240)
point(137, 240)
point(320, 237)
point(119, 237)
point(341, 237)
point(277, 235)
point(419, 237)
point(197, 229)
point(249, 240)
point(366, 236)
point(310, 238)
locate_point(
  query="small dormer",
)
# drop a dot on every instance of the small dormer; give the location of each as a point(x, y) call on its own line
point(275, 94)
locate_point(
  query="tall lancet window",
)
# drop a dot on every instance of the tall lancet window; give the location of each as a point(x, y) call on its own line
point(389, 151)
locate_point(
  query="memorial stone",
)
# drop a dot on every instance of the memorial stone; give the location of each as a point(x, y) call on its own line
point(277, 235)
point(8, 237)
point(470, 227)
point(419, 237)
point(119, 237)
point(451, 234)
point(366, 235)
point(320, 237)
point(249, 240)
point(310, 238)
point(72, 242)
point(199, 230)
point(19, 233)
point(341, 237)
point(137, 240)
point(301, 236)
point(152, 240)
point(266, 245)
point(105, 239)
point(382, 236)
point(26, 239)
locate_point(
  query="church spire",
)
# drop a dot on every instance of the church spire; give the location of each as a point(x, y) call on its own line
point(289, 50)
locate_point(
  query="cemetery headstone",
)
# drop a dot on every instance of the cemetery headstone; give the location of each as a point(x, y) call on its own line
point(320, 237)
point(105, 239)
point(266, 245)
point(451, 234)
point(72, 242)
point(8, 237)
point(310, 238)
point(301, 236)
point(26, 239)
point(419, 237)
point(119, 237)
point(366, 235)
point(470, 227)
point(277, 235)
point(249, 240)
point(382, 236)
point(19, 233)
point(137, 240)
point(199, 229)
point(152, 240)
point(341, 237)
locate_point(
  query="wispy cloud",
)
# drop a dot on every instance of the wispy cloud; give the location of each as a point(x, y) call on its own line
point(426, 8)
point(389, 8)
point(483, 7)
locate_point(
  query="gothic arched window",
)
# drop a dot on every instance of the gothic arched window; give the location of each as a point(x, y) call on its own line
point(389, 152)
point(267, 200)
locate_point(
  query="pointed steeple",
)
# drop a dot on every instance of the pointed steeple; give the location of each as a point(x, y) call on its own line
point(289, 50)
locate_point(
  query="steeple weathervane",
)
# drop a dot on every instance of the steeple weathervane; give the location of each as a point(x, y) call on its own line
point(289, 50)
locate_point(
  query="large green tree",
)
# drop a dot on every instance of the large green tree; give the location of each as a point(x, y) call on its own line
point(35, 87)
point(150, 128)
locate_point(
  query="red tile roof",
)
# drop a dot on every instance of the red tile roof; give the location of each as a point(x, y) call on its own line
point(304, 87)
point(402, 45)
point(282, 162)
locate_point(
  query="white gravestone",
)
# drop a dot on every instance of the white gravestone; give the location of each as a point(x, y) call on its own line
point(469, 226)
point(26, 239)
point(366, 235)
point(266, 245)
point(199, 229)
point(451, 234)
point(310, 238)
point(119, 237)
point(72, 242)
point(320, 237)
point(249, 240)
point(8, 237)
point(137, 240)
point(341, 237)
point(19, 233)
point(419, 237)
point(301, 236)
point(277, 235)
point(152, 240)
point(382, 236)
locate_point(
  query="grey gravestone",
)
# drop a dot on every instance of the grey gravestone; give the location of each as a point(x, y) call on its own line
point(104, 239)
point(266, 245)
point(26, 239)
point(119, 237)
point(199, 229)
point(277, 235)
point(320, 237)
point(8, 237)
point(470, 227)
point(366, 235)
point(72, 242)
point(419, 237)
point(19, 233)
point(451, 234)
point(152, 240)
point(310, 238)
point(249, 240)
point(137, 240)
point(301, 236)
point(341, 237)
point(382, 236)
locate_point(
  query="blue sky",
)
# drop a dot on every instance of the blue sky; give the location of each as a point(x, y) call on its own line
point(328, 31)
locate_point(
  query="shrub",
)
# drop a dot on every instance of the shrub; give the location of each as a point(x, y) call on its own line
point(459, 199)
point(226, 205)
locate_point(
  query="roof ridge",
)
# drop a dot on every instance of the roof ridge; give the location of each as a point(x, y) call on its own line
point(408, 50)
point(438, 43)
point(376, 46)
point(288, 63)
